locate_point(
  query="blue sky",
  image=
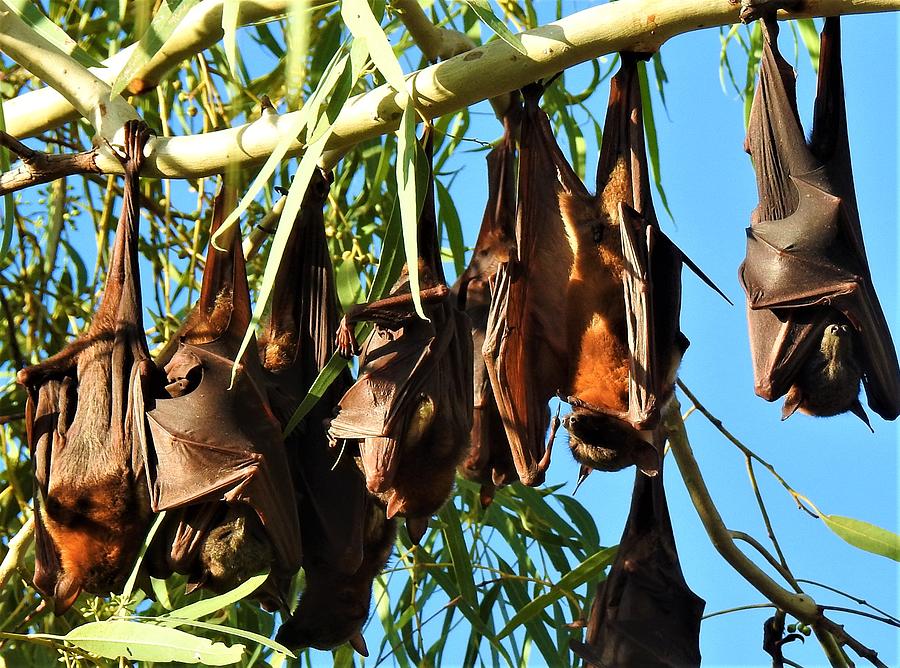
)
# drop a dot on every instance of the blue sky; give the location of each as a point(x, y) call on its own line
point(835, 462)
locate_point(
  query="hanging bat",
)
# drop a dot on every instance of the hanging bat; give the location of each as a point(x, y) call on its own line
point(84, 424)
point(334, 606)
point(217, 453)
point(816, 327)
point(644, 615)
point(410, 410)
point(297, 342)
point(525, 348)
point(489, 461)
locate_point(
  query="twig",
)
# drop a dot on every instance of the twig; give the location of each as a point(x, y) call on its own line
point(855, 599)
point(36, 167)
point(750, 540)
point(18, 359)
point(18, 545)
point(884, 619)
point(842, 637)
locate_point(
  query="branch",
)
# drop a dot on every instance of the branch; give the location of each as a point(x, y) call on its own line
point(18, 546)
point(45, 109)
point(483, 73)
point(83, 89)
point(37, 167)
point(439, 43)
point(801, 606)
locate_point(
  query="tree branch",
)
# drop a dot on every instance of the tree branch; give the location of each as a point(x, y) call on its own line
point(36, 167)
point(18, 546)
point(45, 109)
point(484, 72)
point(83, 89)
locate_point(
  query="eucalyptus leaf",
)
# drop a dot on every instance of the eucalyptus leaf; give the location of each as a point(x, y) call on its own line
point(865, 536)
point(135, 641)
point(210, 605)
point(483, 9)
point(28, 11)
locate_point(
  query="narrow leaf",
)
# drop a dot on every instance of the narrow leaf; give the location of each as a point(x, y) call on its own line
point(228, 630)
point(28, 11)
point(210, 605)
point(231, 11)
point(587, 569)
point(865, 536)
point(146, 642)
point(406, 190)
point(8, 205)
point(483, 9)
point(652, 143)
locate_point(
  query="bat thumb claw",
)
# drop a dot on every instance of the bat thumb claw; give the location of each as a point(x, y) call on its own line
point(358, 643)
point(860, 412)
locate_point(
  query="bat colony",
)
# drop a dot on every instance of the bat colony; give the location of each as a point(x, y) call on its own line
point(567, 294)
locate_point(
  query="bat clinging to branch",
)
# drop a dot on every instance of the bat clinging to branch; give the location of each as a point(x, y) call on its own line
point(816, 327)
point(410, 410)
point(489, 461)
point(218, 454)
point(335, 513)
point(85, 429)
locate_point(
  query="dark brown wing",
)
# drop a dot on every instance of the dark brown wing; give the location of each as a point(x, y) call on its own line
point(806, 267)
point(525, 346)
point(644, 615)
point(213, 444)
point(410, 410)
point(90, 500)
point(489, 461)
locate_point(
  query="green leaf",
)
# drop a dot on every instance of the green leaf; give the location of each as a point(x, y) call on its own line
point(146, 642)
point(459, 553)
point(297, 38)
point(161, 592)
point(406, 191)
point(865, 536)
point(652, 143)
point(231, 11)
point(211, 605)
point(483, 9)
point(129, 584)
point(166, 19)
point(586, 570)
point(810, 37)
point(28, 11)
point(228, 630)
point(450, 218)
point(362, 24)
point(336, 365)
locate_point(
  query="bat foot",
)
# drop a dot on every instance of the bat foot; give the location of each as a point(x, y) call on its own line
point(751, 10)
point(345, 340)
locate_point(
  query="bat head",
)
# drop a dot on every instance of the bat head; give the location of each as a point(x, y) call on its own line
point(96, 532)
point(234, 549)
point(606, 443)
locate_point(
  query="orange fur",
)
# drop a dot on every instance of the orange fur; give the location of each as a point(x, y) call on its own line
point(595, 299)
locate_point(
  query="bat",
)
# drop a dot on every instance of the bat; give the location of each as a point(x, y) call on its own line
point(84, 425)
point(623, 296)
point(525, 348)
point(217, 454)
point(410, 410)
point(339, 559)
point(334, 606)
point(816, 327)
point(489, 461)
point(644, 615)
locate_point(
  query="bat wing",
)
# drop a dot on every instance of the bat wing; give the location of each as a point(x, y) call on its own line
point(394, 371)
point(525, 347)
point(216, 444)
point(644, 614)
point(805, 254)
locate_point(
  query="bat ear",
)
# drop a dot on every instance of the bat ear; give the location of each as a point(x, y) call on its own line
point(395, 505)
point(582, 476)
point(792, 403)
point(65, 593)
point(358, 643)
point(647, 460)
point(860, 412)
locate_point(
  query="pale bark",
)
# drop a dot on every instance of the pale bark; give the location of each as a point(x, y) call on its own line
point(483, 73)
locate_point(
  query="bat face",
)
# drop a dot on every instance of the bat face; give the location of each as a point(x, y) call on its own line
point(85, 431)
point(816, 327)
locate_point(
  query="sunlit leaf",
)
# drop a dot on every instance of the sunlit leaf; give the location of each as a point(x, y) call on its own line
point(146, 642)
point(227, 630)
point(28, 11)
point(483, 9)
point(865, 536)
point(231, 11)
point(210, 605)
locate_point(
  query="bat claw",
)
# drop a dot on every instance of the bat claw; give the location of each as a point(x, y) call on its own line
point(358, 643)
point(345, 340)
